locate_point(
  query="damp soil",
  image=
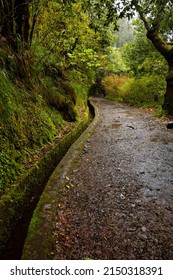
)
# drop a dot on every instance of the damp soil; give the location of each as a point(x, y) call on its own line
point(118, 201)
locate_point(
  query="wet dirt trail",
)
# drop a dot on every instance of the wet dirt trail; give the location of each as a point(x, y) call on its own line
point(118, 201)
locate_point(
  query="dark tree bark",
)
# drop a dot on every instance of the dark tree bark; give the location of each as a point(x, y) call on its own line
point(6, 18)
point(14, 21)
point(167, 51)
point(168, 100)
point(22, 19)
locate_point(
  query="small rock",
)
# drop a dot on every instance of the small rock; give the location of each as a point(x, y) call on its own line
point(138, 201)
point(143, 236)
point(144, 229)
point(132, 229)
point(109, 185)
point(122, 196)
point(156, 241)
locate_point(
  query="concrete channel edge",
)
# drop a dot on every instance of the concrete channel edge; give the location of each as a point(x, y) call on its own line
point(40, 241)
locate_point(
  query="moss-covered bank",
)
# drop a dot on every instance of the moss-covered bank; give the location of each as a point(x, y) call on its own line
point(13, 205)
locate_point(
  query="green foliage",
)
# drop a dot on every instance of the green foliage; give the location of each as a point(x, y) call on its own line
point(141, 57)
point(115, 61)
point(145, 91)
point(69, 38)
point(26, 125)
point(112, 86)
point(157, 15)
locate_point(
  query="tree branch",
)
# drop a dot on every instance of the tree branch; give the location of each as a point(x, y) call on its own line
point(142, 17)
point(153, 30)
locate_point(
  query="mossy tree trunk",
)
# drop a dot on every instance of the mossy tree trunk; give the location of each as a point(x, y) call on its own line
point(167, 51)
point(168, 100)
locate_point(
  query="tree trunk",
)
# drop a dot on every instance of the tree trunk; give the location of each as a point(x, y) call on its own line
point(167, 51)
point(168, 99)
point(22, 20)
point(14, 22)
point(7, 19)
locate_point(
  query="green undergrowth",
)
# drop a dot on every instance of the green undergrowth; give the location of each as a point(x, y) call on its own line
point(31, 119)
point(27, 124)
point(43, 109)
point(146, 91)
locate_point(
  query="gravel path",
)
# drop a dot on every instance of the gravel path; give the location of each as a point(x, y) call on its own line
point(118, 201)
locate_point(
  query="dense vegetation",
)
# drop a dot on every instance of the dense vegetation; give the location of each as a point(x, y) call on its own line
point(142, 79)
point(53, 54)
point(157, 18)
point(50, 52)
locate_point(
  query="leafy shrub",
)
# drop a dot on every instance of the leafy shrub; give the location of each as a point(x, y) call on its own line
point(144, 91)
point(112, 86)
